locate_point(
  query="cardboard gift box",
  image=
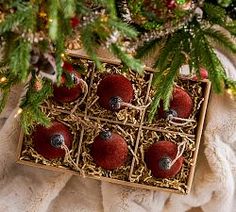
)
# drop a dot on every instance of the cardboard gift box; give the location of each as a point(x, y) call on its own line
point(88, 118)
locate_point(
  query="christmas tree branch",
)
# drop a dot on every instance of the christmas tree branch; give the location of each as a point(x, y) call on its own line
point(128, 60)
point(215, 69)
point(220, 38)
point(31, 112)
point(89, 42)
point(214, 14)
point(149, 48)
point(167, 68)
point(164, 82)
point(167, 51)
point(124, 28)
point(68, 7)
point(19, 59)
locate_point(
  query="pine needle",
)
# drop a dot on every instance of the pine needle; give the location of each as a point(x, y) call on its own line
point(32, 113)
point(164, 81)
point(134, 64)
point(220, 38)
point(124, 28)
point(148, 48)
point(20, 59)
point(215, 69)
point(215, 14)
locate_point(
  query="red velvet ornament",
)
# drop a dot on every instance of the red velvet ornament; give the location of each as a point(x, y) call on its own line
point(158, 158)
point(109, 150)
point(113, 89)
point(47, 140)
point(181, 103)
point(171, 4)
point(203, 73)
point(64, 94)
point(68, 67)
point(74, 22)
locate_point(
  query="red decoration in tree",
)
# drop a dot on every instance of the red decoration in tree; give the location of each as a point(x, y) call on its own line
point(203, 73)
point(74, 22)
point(171, 4)
point(67, 66)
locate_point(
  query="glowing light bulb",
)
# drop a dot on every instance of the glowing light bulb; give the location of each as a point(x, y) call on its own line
point(3, 79)
point(19, 111)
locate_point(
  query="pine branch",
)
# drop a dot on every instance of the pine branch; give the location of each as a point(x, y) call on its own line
point(81, 7)
point(24, 17)
point(32, 113)
point(124, 28)
point(30, 21)
point(231, 28)
point(128, 60)
point(195, 60)
point(167, 52)
point(5, 87)
point(214, 14)
point(19, 59)
point(9, 44)
point(110, 6)
point(220, 38)
point(148, 48)
point(165, 82)
point(168, 64)
point(89, 43)
point(53, 19)
point(68, 7)
point(214, 67)
point(32, 116)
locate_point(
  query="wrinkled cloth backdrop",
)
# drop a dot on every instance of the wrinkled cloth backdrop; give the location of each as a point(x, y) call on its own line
point(29, 189)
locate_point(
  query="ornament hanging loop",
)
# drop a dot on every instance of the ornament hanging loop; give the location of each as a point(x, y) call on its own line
point(179, 121)
point(84, 87)
point(180, 151)
point(68, 157)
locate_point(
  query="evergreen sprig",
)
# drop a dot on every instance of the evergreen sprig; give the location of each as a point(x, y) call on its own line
point(32, 113)
point(214, 14)
point(231, 27)
point(128, 60)
point(124, 28)
point(148, 49)
point(4, 98)
point(69, 8)
point(167, 52)
point(220, 38)
point(215, 69)
point(20, 59)
point(167, 68)
point(25, 17)
point(88, 38)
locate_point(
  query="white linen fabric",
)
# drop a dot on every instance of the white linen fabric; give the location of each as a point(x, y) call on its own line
point(27, 189)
